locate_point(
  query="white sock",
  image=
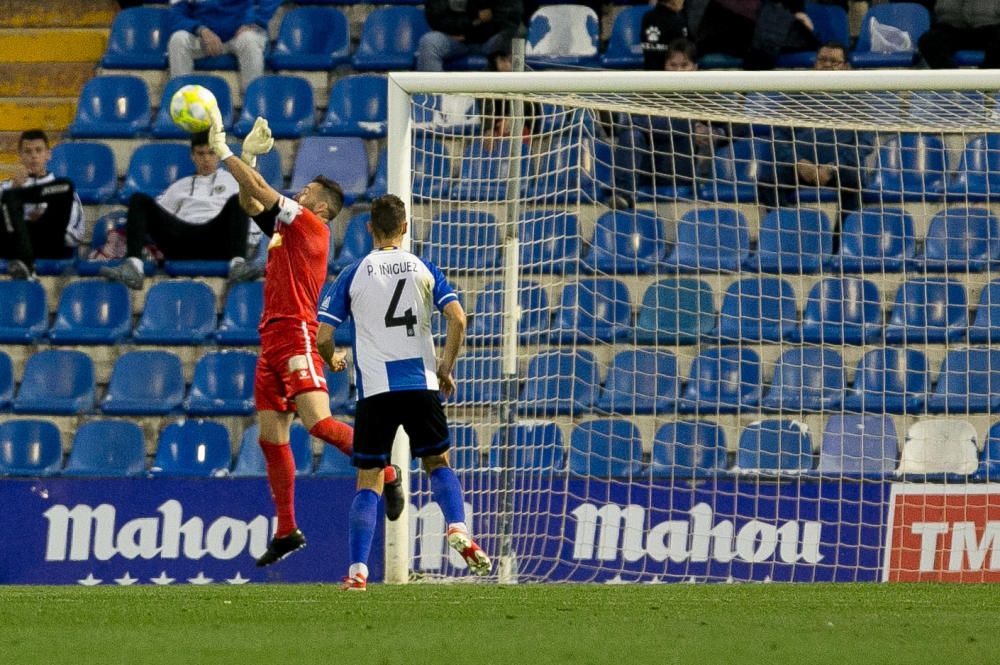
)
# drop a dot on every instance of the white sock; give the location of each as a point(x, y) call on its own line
point(358, 569)
point(458, 526)
point(136, 263)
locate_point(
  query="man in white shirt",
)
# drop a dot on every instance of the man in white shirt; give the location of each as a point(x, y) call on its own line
point(196, 218)
point(41, 215)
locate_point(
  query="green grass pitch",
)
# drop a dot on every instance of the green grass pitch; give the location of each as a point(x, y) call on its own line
point(484, 624)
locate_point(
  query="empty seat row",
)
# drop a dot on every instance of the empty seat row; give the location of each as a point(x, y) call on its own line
point(118, 106)
point(851, 446)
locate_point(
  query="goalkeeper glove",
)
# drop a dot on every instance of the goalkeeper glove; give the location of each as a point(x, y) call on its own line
point(258, 142)
point(217, 135)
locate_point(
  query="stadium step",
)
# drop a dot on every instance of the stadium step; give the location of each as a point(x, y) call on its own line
point(44, 79)
point(56, 13)
point(48, 113)
point(48, 45)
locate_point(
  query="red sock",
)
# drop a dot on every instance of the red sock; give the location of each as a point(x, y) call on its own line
point(281, 478)
point(337, 434)
point(390, 474)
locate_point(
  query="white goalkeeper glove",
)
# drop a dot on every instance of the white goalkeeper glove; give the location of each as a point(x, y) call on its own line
point(217, 135)
point(258, 142)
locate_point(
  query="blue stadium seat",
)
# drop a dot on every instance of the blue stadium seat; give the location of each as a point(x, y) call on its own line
point(714, 239)
point(342, 158)
point(573, 168)
point(192, 448)
point(605, 448)
point(625, 46)
point(177, 311)
point(222, 384)
point(534, 445)
point(107, 448)
point(91, 167)
point(163, 125)
point(250, 462)
point(103, 227)
point(830, 24)
point(774, 446)
point(909, 17)
point(927, 311)
point(985, 328)
point(56, 382)
point(389, 39)
point(464, 453)
point(793, 240)
point(311, 38)
point(842, 310)
point(562, 36)
point(138, 39)
point(930, 106)
point(855, 445)
point(286, 102)
point(675, 311)
point(758, 309)
point(640, 382)
point(30, 448)
point(338, 385)
point(806, 379)
point(92, 312)
point(269, 167)
point(6, 381)
point(24, 316)
point(357, 107)
point(989, 461)
point(241, 315)
point(431, 169)
point(357, 243)
point(889, 380)
point(876, 240)
point(486, 326)
point(445, 115)
point(112, 107)
point(559, 382)
point(592, 310)
point(688, 449)
point(961, 239)
point(483, 173)
point(969, 382)
point(722, 380)
point(736, 170)
point(550, 242)
point(478, 379)
point(145, 383)
point(978, 174)
point(154, 167)
point(626, 242)
point(907, 167)
point(463, 241)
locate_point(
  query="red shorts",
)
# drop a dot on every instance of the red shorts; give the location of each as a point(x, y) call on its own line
point(288, 365)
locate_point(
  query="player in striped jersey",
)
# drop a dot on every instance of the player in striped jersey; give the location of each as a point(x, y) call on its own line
point(289, 375)
point(389, 294)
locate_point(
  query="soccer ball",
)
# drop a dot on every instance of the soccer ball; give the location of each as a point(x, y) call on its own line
point(190, 107)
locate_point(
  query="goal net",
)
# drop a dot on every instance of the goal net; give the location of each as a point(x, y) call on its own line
point(722, 327)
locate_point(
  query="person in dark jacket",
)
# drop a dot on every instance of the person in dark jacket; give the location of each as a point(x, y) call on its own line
point(464, 27)
point(661, 25)
point(201, 28)
point(959, 25)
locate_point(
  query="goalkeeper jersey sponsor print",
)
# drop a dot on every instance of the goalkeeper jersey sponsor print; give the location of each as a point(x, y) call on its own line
point(389, 294)
point(296, 264)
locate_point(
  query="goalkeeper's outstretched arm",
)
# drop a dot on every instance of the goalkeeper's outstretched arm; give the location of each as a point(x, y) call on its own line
point(255, 194)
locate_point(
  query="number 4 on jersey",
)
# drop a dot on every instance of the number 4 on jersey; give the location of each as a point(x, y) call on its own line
point(408, 319)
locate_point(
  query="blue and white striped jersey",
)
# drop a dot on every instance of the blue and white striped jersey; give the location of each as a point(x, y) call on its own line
point(389, 294)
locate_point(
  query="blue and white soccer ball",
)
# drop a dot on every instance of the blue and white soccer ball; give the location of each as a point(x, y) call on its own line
point(190, 108)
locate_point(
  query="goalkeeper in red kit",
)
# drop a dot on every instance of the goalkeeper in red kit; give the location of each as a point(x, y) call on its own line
point(289, 375)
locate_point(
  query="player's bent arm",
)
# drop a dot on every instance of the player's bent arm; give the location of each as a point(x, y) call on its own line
point(250, 205)
point(324, 342)
point(455, 337)
point(251, 183)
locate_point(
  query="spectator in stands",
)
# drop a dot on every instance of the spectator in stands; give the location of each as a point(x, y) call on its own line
point(42, 215)
point(664, 151)
point(959, 25)
point(201, 28)
point(755, 30)
point(661, 25)
point(463, 27)
point(811, 157)
point(196, 218)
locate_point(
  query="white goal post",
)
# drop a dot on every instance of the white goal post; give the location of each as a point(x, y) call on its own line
point(855, 101)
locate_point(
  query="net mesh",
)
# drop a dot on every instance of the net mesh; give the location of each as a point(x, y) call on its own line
point(746, 326)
